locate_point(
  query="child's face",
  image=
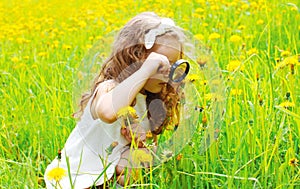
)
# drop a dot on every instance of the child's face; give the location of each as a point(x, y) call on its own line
point(171, 49)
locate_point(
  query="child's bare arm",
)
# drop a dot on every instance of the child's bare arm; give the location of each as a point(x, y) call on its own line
point(105, 106)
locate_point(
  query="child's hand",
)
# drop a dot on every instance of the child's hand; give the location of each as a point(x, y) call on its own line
point(157, 64)
point(134, 133)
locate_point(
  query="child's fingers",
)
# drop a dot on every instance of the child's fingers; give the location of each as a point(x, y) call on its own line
point(165, 66)
point(138, 134)
point(134, 133)
point(123, 131)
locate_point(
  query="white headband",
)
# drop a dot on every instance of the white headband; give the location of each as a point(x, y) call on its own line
point(165, 25)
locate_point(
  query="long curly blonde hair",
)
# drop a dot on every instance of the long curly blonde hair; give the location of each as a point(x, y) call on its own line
point(129, 52)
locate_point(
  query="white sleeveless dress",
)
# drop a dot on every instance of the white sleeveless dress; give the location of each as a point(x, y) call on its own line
point(86, 149)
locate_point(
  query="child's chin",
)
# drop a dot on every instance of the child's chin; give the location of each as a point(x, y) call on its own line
point(155, 90)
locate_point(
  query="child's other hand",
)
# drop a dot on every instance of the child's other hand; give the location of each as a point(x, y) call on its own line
point(157, 64)
point(134, 133)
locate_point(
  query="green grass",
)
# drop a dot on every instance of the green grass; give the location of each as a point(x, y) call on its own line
point(42, 44)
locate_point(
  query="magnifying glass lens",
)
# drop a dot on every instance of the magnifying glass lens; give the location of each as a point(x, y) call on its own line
point(179, 70)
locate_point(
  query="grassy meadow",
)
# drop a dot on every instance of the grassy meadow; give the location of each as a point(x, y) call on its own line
point(255, 43)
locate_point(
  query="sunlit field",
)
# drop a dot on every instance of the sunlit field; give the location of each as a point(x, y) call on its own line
point(255, 43)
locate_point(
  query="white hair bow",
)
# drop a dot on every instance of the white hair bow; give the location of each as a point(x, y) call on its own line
point(165, 25)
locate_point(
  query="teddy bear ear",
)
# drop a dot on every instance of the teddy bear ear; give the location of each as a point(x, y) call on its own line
point(150, 39)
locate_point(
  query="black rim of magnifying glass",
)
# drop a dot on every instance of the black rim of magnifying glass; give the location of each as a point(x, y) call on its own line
point(175, 65)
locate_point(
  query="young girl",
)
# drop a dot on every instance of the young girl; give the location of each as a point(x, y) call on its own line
point(135, 75)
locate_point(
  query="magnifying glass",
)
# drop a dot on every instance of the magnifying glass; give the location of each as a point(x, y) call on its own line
point(179, 70)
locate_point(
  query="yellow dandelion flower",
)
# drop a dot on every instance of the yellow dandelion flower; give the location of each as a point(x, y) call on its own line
point(202, 2)
point(277, 60)
point(242, 57)
point(196, 15)
point(55, 44)
point(285, 53)
point(66, 47)
point(234, 65)
point(235, 39)
point(199, 10)
point(293, 60)
point(294, 9)
point(214, 7)
point(193, 77)
point(260, 22)
point(56, 174)
point(287, 104)
point(26, 57)
point(214, 36)
point(208, 96)
point(202, 60)
point(18, 66)
point(203, 82)
point(199, 37)
point(213, 96)
point(42, 54)
point(249, 37)
point(88, 46)
point(252, 51)
point(149, 134)
point(241, 27)
point(14, 59)
point(233, 4)
point(127, 110)
point(236, 92)
point(141, 156)
point(280, 65)
point(91, 38)
point(82, 24)
point(245, 6)
point(220, 25)
point(205, 24)
point(254, 5)
point(99, 37)
point(21, 40)
point(293, 162)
